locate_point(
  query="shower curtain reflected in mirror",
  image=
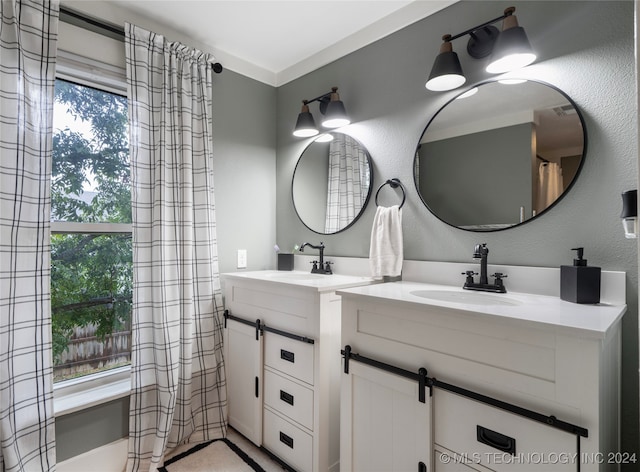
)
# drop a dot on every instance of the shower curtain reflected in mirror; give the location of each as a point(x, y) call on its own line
point(550, 185)
point(348, 183)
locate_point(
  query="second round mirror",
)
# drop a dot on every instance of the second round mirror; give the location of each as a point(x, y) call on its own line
point(332, 183)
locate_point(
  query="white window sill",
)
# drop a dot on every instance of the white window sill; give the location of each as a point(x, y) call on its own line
point(78, 394)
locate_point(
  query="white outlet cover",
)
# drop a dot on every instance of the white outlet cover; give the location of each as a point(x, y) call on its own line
point(242, 259)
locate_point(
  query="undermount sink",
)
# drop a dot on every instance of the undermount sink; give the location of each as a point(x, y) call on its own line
point(470, 298)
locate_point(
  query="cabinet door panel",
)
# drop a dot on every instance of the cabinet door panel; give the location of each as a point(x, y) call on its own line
point(243, 361)
point(383, 424)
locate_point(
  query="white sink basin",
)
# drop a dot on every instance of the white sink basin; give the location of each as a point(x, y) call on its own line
point(466, 297)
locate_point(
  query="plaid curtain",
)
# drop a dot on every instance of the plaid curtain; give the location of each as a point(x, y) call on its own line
point(178, 383)
point(28, 40)
point(550, 184)
point(348, 182)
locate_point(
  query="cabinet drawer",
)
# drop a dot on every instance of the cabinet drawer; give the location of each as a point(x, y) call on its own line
point(289, 398)
point(288, 442)
point(497, 439)
point(449, 461)
point(294, 358)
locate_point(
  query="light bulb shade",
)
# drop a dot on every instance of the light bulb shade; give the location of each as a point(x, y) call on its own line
point(446, 73)
point(511, 51)
point(305, 126)
point(335, 114)
point(629, 204)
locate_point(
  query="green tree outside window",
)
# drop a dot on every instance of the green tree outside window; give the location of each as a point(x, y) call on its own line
point(91, 272)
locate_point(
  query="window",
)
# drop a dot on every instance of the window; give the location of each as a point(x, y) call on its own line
point(91, 252)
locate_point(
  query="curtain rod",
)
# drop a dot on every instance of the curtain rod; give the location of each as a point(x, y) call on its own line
point(110, 30)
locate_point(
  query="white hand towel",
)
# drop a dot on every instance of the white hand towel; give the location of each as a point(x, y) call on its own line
point(386, 250)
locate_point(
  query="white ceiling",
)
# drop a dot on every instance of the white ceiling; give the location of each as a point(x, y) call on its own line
point(278, 41)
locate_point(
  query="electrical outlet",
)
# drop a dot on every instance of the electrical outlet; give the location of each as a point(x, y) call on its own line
point(242, 259)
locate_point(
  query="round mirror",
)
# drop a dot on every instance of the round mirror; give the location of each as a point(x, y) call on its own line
point(500, 154)
point(332, 183)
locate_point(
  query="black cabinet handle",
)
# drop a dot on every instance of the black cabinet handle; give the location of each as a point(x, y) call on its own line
point(286, 397)
point(422, 467)
point(496, 440)
point(288, 440)
point(257, 387)
point(287, 356)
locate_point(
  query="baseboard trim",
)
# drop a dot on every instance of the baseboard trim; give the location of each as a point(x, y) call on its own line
point(112, 457)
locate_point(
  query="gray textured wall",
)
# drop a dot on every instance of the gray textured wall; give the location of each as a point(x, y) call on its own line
point(244, 170)
point(585, 48)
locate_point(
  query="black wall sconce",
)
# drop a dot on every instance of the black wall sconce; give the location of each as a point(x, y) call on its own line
point(509, 49)
point(330, 106)
point(630, 214)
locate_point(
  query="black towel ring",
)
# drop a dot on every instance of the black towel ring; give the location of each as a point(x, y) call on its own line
point(393, 183)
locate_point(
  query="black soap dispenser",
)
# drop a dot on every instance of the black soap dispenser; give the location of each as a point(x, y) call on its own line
point(580, 283)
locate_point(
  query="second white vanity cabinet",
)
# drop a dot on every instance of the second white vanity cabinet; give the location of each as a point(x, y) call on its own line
point(497, 370)
point(282, 356)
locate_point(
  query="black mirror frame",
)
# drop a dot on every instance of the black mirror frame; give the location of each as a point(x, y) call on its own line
point(366, 201)
point(566, 191)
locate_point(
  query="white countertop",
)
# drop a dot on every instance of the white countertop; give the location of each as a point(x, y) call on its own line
point(536, 310)
point(319, 282)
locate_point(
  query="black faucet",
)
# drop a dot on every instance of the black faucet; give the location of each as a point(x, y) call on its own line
point(481, 251)
point(319, 267)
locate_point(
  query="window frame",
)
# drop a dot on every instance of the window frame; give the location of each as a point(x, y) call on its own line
point(101, 387)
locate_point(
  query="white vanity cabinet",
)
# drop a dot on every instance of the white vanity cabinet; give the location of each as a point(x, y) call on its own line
point(284, 388)
point(498, 371)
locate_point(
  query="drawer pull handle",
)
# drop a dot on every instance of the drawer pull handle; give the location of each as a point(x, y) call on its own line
point(288, 440)
point(287, 356)
point(286, 397)
point(422, 467)
point(496, 440)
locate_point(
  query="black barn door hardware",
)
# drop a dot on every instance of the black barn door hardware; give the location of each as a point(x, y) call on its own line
point(256, 323)
point(420, 376)
point(530, 414)
point(297, 337)
point(260, 328)
point(432, 382)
